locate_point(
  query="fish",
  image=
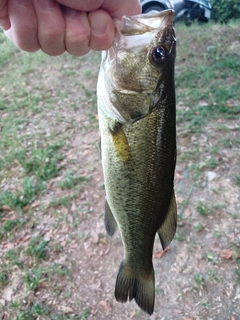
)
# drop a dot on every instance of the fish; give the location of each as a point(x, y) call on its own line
point(137, 122)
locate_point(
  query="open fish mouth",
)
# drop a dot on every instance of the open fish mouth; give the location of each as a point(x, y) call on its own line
point(131, 41)
point(136, 25)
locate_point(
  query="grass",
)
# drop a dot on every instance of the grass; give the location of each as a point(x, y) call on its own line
point(210, 257)
point(7, 50)
point(45, 105)
point(84, 314)
point(30, 158)
point(4, 277)
point(180, 234)
point(70, 180)
point(213, 65)
point(199, 227)
point(237, 274)
point(212, 276)
point(203, 209)
point(198, 281)
point(40, 162)
point(37, 248)
point(29, 189)
point(12, 257)
point(9, 227)
point(236, 179)
point(33, 277)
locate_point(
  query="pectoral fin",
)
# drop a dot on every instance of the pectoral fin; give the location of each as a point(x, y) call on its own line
point(109, 220)
point(120, 142)
point(167, 230)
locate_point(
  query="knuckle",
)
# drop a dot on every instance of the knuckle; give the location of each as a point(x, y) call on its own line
point(51, 35)
point(76, 36)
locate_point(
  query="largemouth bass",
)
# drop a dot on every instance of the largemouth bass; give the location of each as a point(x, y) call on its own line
point(136, 108)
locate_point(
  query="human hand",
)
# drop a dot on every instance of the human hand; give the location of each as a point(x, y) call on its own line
point(75, 26)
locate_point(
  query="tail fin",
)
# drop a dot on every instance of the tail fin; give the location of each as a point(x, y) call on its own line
point(131, 285)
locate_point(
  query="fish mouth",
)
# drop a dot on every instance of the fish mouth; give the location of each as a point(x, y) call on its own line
point(152, 18)
point(130, 27)
point(134, 36)
point(142, 23)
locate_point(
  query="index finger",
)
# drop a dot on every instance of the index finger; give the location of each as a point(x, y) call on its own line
point(116, 9)
point(23, 31)
point(82, 5)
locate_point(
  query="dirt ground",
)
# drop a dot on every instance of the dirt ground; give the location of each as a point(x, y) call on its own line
point(196, 278)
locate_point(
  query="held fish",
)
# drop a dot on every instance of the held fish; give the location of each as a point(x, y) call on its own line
point(136, 108)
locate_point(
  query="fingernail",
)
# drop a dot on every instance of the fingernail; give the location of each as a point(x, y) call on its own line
point(98, 27)
point(46, 4)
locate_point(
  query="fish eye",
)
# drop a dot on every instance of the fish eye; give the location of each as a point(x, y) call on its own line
point(158, 55)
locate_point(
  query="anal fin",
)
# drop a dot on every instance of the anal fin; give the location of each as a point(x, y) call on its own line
point(167, 230)
point(99, 147)
point(109, 220)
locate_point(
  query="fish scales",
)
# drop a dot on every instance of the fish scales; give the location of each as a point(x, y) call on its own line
point(136, 108)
